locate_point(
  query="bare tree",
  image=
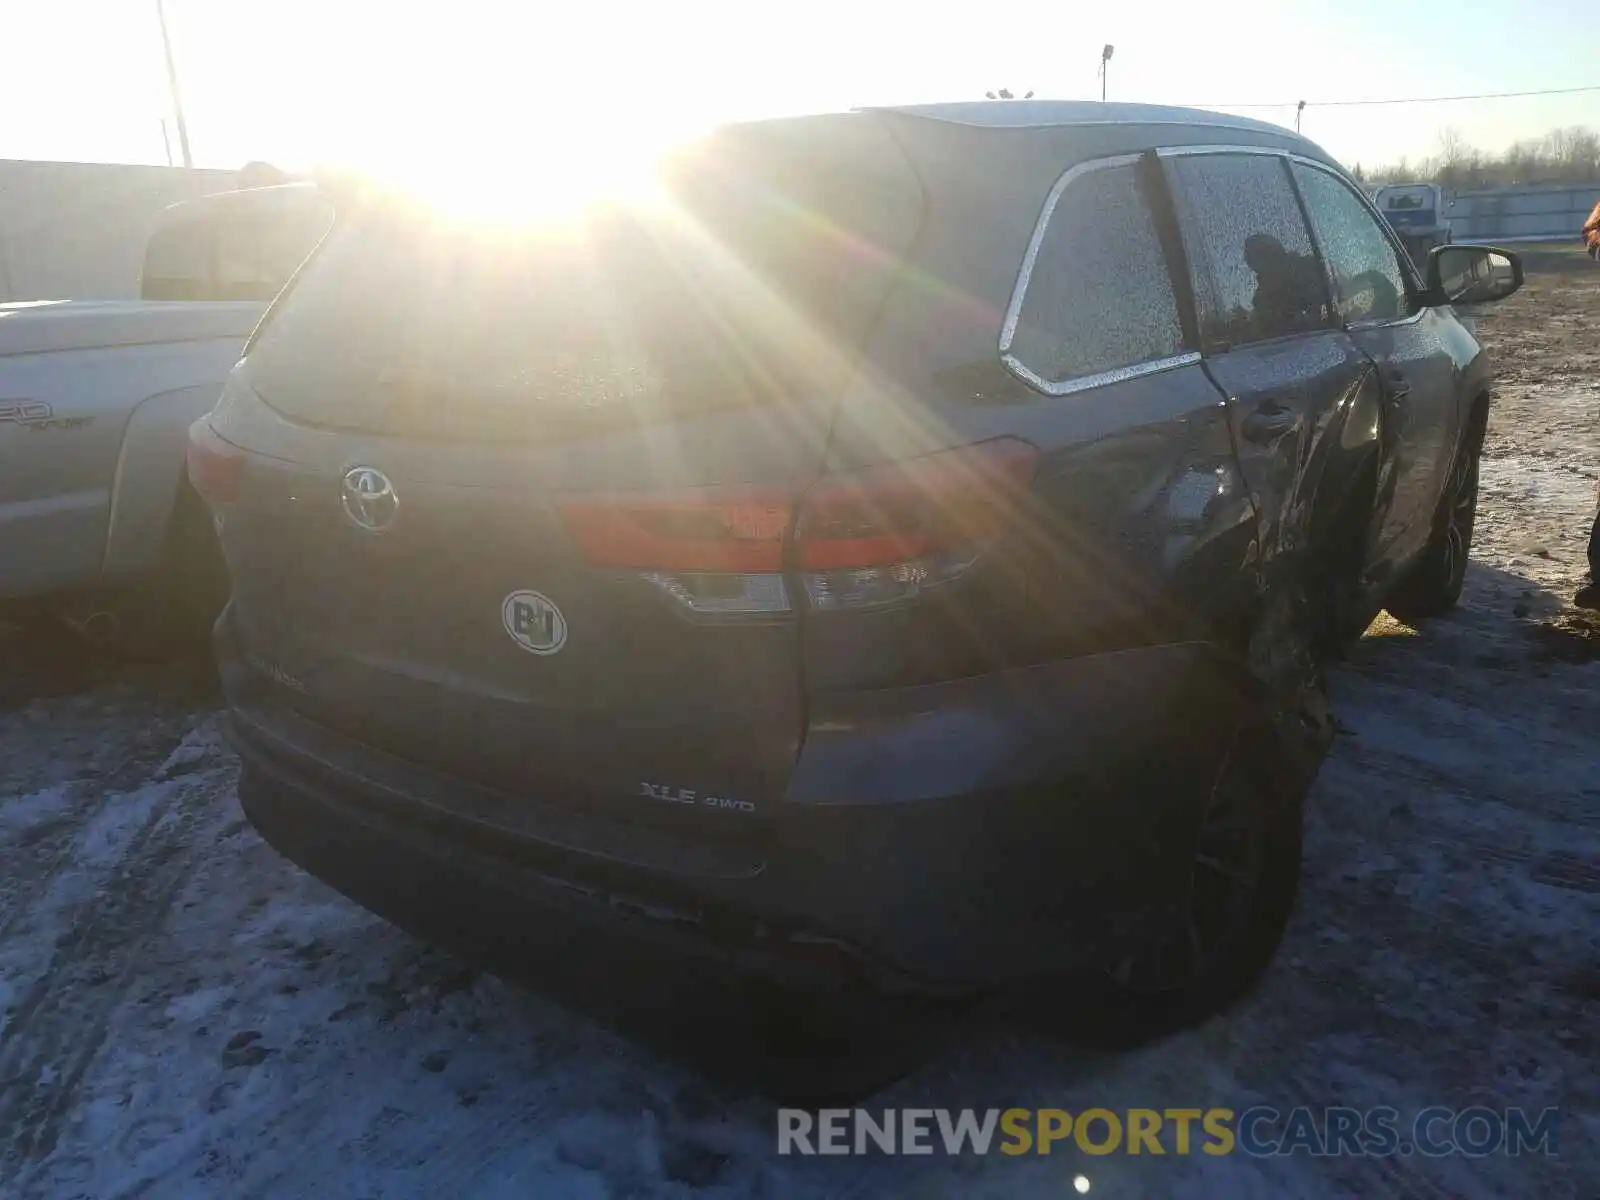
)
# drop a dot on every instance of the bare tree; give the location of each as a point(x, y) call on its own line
point(1570, 155)
point(1574, 153)
point(1459, 160)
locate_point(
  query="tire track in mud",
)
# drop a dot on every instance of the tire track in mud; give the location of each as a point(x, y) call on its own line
point(1578, 808)
point(35, 855)
point(1491, 838)
point(1444, 697)
point(63, 1019)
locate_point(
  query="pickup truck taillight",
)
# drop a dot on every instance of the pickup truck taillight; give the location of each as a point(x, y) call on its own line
point(853, 540)
point(215, 466)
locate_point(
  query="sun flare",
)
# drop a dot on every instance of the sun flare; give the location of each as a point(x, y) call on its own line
point(533, 174)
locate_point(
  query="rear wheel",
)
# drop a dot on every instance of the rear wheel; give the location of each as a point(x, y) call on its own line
point(1434, 585)
point(1228, 914)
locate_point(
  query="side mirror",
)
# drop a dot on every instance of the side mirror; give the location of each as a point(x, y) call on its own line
point(1464, 275)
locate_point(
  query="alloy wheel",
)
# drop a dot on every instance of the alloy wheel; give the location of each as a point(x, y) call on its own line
point(1220, 895)
point(1459, 519)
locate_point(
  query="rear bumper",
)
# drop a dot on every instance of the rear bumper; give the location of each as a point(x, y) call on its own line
point(933, 838)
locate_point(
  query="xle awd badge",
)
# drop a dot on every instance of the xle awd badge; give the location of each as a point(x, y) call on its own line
point(534, 622)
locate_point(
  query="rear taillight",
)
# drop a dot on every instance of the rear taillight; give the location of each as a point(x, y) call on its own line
point(880, 536)
point(716, 551)
point(216, 467)
point(704, 529)
point(857, 539)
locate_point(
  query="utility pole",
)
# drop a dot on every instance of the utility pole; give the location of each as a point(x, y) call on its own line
point(1298, 109)
point(172, 82)
point(1105, 61)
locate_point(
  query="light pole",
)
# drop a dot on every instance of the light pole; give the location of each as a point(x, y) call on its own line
point(172, 82)
point(1105, 60)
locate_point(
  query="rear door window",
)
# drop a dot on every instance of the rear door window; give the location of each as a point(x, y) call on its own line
point(1098, 295)
point(1369, 283)
point(1256, 275)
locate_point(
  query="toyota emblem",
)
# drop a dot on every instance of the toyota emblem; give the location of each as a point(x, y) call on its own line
point(369, 499)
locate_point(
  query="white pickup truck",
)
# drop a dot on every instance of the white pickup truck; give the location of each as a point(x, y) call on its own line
point(97, 522)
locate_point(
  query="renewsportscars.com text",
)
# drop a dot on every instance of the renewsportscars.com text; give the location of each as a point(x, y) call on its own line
point(1260, 1131)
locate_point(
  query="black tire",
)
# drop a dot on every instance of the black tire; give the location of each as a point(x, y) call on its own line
point(1433, 586)
point(1243, 876)
point(170, 612)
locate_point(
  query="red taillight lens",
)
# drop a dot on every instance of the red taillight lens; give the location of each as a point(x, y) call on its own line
point(216, 467)
point(907, 510)
point(860, 538)
point(706, 529)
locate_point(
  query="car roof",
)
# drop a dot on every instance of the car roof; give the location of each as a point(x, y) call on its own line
point(1068, 126)
point(1065, 131)
point(1053, 114)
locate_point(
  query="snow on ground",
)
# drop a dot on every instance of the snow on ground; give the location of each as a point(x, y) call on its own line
point(182, 1013)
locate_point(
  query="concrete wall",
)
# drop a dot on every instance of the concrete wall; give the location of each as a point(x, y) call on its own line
point(78, 230)
point(1521, 213)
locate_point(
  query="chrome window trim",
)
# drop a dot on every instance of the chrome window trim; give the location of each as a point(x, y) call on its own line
point(1083, 383)
point(1219, 148)
point(1019, 292)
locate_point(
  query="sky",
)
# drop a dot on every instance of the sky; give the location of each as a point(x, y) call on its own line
point(299, 82)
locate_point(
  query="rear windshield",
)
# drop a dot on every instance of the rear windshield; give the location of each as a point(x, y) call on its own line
point(759, 280)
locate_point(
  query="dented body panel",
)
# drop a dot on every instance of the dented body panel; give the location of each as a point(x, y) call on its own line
point(974, 782)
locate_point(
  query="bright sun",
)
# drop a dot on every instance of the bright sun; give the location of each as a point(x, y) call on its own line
point(533, 173)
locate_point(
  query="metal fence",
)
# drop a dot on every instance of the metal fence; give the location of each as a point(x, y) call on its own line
point(1514, 214)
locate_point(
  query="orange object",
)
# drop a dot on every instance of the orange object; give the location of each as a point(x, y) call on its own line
point(1591, 229)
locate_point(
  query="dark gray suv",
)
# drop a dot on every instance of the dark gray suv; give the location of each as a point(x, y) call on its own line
point(889, 553)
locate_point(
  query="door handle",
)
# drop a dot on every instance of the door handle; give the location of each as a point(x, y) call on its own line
point(1269, 422)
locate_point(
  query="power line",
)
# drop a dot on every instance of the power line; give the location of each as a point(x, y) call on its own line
point(1594, 87)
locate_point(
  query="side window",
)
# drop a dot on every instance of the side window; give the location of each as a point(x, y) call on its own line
point(177, 263)
point(1099, 296)
point(1256, 275)
point(1368, 282)
point(241, 272)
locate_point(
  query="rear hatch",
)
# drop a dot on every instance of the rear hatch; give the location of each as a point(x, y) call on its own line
point(514, 502)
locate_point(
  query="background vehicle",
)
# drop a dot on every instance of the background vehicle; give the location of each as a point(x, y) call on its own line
point(902, 550)
point(1416, 212)
point(97, 522)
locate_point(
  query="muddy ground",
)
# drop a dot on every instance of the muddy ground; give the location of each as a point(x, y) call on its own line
point(182, 1013)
